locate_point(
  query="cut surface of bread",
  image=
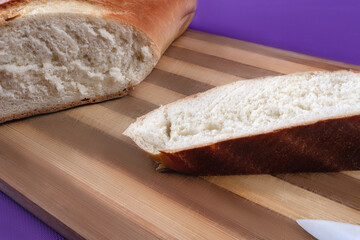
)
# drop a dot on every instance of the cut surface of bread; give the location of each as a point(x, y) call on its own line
point(203, 134)
point(59, 54)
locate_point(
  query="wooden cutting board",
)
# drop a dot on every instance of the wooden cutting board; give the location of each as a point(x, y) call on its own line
point(76, 171)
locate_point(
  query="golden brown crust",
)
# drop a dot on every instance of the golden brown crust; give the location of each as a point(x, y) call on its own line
point(5, 4)
point(328, 145)
point(162, 21)
point(65, 106)
point(10, 9)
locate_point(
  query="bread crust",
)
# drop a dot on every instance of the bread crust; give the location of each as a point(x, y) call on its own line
point(66, 106)
point(324, 146)
point(162, 21)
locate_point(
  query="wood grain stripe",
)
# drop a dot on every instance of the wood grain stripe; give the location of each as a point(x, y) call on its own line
point(114, 124)
point(196, 72)
point(155, 94)
point(131, 106)
point(177, 83)
point(334, 186)
point(217, 63)
point(285, 198)
point(272, 52)
point(22, 163)
point(152, 209)
point(242, 56)
point(354, 174)
point(180, 188)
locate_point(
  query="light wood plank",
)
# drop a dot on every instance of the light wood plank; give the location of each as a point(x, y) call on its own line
point(243, 56)
point(110, 122)
point(271, 51)
point(285, 198)
point(196, 72)
point(354, 174)
point(155, 94)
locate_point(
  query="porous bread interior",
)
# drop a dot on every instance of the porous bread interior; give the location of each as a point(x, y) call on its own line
point(64, 51)
point(248, 108)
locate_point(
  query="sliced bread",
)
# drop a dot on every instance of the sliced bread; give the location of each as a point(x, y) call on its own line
point(302, 122)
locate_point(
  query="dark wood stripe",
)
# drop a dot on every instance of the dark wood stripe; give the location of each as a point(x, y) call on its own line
point(240, 215)
point(272, 52)
point(217, 63)
point(177, 83)
point(130, 106)
point(54, 181)
point(334, 186)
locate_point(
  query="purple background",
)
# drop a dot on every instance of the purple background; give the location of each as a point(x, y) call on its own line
point(16, 223)
point(322, 28)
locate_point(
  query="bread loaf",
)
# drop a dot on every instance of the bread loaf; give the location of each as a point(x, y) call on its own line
point(57, 54)
point(305, 122)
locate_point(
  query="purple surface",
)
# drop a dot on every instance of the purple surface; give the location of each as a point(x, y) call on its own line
point(16, 223)
point(322, 28)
